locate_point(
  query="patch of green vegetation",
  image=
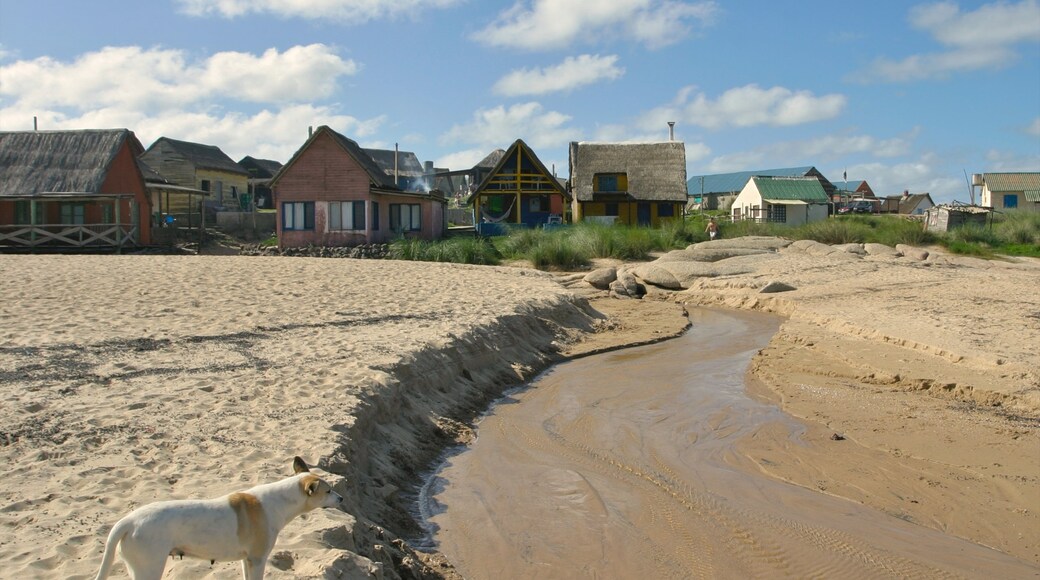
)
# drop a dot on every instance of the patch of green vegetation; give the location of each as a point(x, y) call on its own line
point(460, 250)
point(269, 242)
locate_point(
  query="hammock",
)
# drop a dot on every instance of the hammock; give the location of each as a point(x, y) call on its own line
point(499, 219)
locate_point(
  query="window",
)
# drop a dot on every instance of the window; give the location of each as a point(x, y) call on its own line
point(611, 209)
point(405, 217)
point(665, 210)
point(108, 214)
point(611, 182)
point(538, 203)
point(234, 192)
point(298, 215)
point(375, 216)
point(1010, 200)
point(73, 213)
point(204, 185)
point(778, 213)
point(23, 213)
point(346, 215)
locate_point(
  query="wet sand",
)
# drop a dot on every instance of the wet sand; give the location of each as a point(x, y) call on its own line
point(627, 465)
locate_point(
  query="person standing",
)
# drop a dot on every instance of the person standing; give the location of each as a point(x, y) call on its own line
point(712, 229)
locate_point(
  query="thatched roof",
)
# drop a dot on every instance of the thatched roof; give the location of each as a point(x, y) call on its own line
point(656, 171)
point(39, 162)
point(199, 155)
point(407, 163)
point(492, 159)
point(259, 168)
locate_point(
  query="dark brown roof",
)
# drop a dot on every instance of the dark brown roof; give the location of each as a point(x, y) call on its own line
point(37, 162)
point(655, 171)
point(407, 163)
point(201, 156)
point(260, 168)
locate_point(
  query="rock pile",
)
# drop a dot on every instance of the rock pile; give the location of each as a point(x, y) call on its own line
point(364, 251)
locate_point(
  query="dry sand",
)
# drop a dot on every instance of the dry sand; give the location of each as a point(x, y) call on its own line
point(125, 380)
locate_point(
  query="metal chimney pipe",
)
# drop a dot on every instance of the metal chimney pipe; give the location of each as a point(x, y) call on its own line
point(671, 130)
point(395, 163)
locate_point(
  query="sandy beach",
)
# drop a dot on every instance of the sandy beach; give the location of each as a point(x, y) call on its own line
point(130, 379)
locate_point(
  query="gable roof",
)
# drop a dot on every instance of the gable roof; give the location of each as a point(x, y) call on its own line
point(492, 159)
point(910, 203)
point(407, 163)
point(807, 189)
point(259, 168)
point(1012, 181)
point(201, 156)
point(508, 155)
point(38, 162)
point(655, 171)
point(734, 182)
point(375, 174)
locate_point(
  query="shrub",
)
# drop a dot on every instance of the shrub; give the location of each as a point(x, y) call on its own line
point(460, 250)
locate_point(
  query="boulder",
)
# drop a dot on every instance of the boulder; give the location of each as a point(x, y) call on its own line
point(601, 277)
point(912, 252)
point(746, 242)
point(873, 249)
point(626, 286)
point(657, 275)
point(710, 254)
point(853, 248)
point(775, 286)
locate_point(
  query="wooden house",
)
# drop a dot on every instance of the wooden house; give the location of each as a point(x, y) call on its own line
point(459, 184)
point(790, 201)
point(718, 191)
point(332, 193)
point(261, 171)
point(1003, 191)
point(628, 183)
point(518, 192)
point(202, 167)
point(72, 189)
point(946, 217)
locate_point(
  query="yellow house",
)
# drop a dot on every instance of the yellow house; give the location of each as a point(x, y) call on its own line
point(1003, 191)
point(628, 183)
point(200, 167)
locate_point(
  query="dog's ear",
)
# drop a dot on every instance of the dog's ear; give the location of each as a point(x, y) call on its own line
point(313, 487)
point(299, 465)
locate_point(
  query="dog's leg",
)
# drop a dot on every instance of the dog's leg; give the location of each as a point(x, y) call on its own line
point(253, 569)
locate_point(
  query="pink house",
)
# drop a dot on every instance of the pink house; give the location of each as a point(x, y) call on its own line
point(332, 193)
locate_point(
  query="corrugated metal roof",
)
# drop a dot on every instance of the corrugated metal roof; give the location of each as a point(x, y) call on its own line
point(1012, 181)
point(807, 189)
point(734, 182)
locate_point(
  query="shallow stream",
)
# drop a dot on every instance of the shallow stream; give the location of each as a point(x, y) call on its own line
point(621, 466)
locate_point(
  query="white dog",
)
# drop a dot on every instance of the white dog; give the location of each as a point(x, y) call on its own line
point(241, 526)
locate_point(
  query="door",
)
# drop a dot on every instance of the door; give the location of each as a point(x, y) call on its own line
point(643, 214)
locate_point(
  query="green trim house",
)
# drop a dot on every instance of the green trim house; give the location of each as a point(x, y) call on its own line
point(783, 200)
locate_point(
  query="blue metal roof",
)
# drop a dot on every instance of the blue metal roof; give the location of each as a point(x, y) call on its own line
point(734, 182)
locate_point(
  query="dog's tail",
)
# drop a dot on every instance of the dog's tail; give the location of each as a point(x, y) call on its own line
point(114, 537)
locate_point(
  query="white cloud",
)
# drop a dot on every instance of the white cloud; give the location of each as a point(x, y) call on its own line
point(975, 40)
point(748, 106)
point(817, 151)
point(464, 159)
point(1034, 127)
point(346, 11)
point(159, 92)
point(570, 74)
point(500, 126)
point(555, 24)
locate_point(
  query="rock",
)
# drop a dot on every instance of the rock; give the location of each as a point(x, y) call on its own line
point(746, 242)
point(709, 254)
point(601, 277)
point(658, 276)
point(912, 252)
point(626, 286)
point(873, 249)
point(851, 248)
point(774, 287)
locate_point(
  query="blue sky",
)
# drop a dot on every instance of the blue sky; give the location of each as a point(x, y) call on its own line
point(905, 95)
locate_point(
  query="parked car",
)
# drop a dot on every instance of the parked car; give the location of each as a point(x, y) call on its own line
point(857, 206)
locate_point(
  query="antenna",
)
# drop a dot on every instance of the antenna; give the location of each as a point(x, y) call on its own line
point(971, 188)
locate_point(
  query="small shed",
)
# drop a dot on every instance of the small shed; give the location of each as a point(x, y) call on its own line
point(790, 201)
point(945, 217)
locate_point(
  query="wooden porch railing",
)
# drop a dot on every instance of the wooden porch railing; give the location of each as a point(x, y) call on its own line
point(72, 236)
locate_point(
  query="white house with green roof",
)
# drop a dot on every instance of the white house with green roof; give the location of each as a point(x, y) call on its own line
point(784, 200)
point(1004, 191)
